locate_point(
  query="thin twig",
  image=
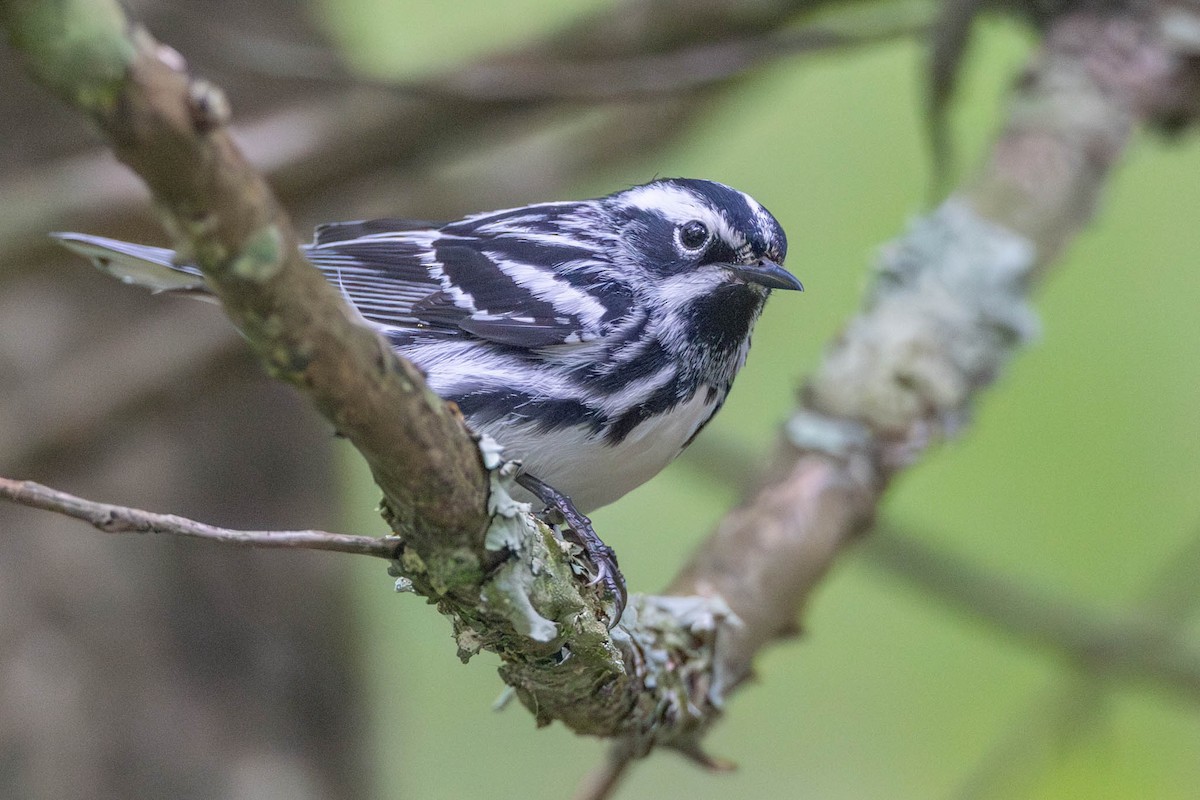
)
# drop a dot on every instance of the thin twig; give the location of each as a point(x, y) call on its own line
point(121, 519)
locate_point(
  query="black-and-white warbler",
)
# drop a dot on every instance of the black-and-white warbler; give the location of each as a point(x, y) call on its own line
point(592, 339)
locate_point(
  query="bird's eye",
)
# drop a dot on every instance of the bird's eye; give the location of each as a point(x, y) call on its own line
point(693, 235)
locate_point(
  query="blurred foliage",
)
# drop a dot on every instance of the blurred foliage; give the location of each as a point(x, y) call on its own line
point(1078, 472)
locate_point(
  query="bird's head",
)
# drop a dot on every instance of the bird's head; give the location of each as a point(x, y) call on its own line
point(703, 257)
point(685, 232)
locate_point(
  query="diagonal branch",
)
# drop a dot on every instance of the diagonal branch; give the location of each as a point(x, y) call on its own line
point(948, 309)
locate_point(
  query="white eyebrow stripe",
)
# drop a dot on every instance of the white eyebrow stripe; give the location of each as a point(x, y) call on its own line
point(680, 205)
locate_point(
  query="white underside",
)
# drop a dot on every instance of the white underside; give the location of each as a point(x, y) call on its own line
point(592, 473)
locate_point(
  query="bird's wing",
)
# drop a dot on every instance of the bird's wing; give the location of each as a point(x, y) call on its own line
point(491, 276)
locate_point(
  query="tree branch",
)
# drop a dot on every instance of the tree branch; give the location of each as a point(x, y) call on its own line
point(948, 309)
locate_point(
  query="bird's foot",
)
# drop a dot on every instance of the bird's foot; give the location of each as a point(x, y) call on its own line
point(578, 530)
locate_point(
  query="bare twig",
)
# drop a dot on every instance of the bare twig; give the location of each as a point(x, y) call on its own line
point(121, 519)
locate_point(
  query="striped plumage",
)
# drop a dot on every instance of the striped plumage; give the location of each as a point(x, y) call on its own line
point(593, 339)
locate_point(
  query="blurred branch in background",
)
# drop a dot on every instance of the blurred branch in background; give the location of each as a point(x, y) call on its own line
point(686, 68)
point(1142, 646)
point(315, 152)
point(1060, 715)
point(43, 418)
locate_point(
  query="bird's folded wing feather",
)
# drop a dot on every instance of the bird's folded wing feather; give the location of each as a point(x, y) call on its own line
point(480, 280)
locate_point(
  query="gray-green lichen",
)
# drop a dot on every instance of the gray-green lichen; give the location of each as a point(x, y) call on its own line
point(512, 529)
point(949, 304)
point(834, 436)
point(680, 642)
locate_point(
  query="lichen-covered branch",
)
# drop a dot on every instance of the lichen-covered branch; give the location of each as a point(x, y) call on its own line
point(948, 308)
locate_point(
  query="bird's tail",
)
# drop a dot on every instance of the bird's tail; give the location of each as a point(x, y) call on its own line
point(138, 264)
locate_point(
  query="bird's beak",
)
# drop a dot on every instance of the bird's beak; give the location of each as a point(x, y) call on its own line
point(767, 273)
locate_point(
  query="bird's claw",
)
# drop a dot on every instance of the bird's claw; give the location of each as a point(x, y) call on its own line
point(578, 530)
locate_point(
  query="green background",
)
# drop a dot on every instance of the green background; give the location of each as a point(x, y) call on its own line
point(1077, 474)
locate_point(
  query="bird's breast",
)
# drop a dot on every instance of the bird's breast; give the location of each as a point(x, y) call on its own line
point(595, 471)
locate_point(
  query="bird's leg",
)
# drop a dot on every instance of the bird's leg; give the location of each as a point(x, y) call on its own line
point(578, 530)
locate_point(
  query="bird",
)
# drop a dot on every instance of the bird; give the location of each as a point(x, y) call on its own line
point(593, 339)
